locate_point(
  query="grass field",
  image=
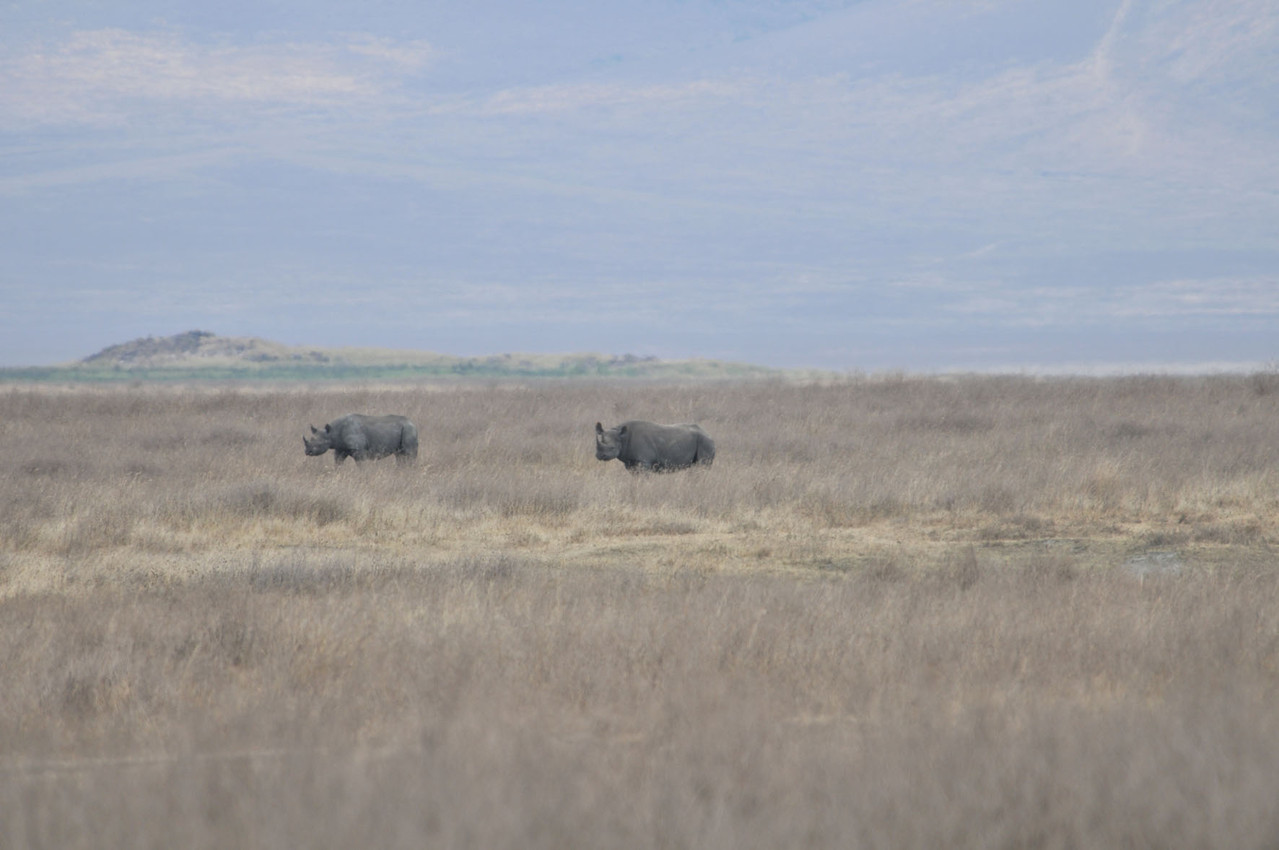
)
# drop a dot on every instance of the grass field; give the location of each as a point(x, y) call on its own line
point(897, 612)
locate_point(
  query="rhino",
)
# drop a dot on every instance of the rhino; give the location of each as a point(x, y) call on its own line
point(647, 446)
point(365, 437)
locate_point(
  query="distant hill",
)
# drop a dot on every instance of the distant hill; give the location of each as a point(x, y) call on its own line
point(203, 355)
point(194, 347)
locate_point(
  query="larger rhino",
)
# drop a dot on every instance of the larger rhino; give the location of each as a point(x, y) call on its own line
point(364, 438)
point(647, 446)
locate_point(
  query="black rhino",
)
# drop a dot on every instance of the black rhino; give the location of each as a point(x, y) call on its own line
point(365, 437)
point(647, 446)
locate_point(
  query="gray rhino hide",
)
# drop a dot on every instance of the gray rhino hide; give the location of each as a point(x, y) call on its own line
point(648, 446)
point(364, 438)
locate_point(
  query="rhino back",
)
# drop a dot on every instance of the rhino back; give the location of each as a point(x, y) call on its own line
point(379, 435)
point(665, 445)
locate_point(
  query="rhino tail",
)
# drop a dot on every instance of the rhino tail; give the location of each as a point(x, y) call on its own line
point(408, 440)
point(705, 450)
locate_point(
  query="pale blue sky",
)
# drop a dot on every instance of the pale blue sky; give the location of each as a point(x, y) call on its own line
point(847, 184)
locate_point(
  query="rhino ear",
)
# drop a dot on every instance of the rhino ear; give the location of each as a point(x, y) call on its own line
point(328, 428)
point(599, 429)
point(621, 431)
point(313, 431)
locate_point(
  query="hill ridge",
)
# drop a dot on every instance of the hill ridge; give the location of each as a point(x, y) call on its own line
point(196, 355)
point(197, 344)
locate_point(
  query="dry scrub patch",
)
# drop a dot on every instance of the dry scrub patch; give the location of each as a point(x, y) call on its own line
point(896, 612)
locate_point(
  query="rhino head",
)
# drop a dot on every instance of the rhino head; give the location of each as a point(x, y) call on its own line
point(319, 442)
point(608, 444)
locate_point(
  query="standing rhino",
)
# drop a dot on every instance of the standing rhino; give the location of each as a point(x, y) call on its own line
point(364, 437)
point(651, 447)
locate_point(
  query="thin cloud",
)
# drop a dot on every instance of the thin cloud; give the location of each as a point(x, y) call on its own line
point(569, 98)
point(409, 57)
point(1211, 297)
point(149, 166)
point(101, 76)
point(1218, 42)
point(1042, 306)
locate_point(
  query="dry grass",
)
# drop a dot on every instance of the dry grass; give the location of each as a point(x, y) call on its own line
point(987, 612)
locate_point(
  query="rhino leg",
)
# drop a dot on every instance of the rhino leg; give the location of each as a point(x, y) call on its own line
point(408, 446)
point(406, 455)
point(705, 455)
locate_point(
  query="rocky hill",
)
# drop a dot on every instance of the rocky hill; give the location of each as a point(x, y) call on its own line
point(196, 346)
point(202, 355)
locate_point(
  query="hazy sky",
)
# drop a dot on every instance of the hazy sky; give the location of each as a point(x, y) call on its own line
point(849, 184)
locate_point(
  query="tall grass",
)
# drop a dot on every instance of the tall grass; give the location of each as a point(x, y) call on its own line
point(331, 703)
point(896, 613)
point(988, 458)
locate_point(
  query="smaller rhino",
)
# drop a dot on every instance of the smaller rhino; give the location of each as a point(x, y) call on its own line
point(364, 438)
point(649, 447)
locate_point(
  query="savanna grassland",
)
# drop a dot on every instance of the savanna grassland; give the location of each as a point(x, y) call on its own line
point(897, 612)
